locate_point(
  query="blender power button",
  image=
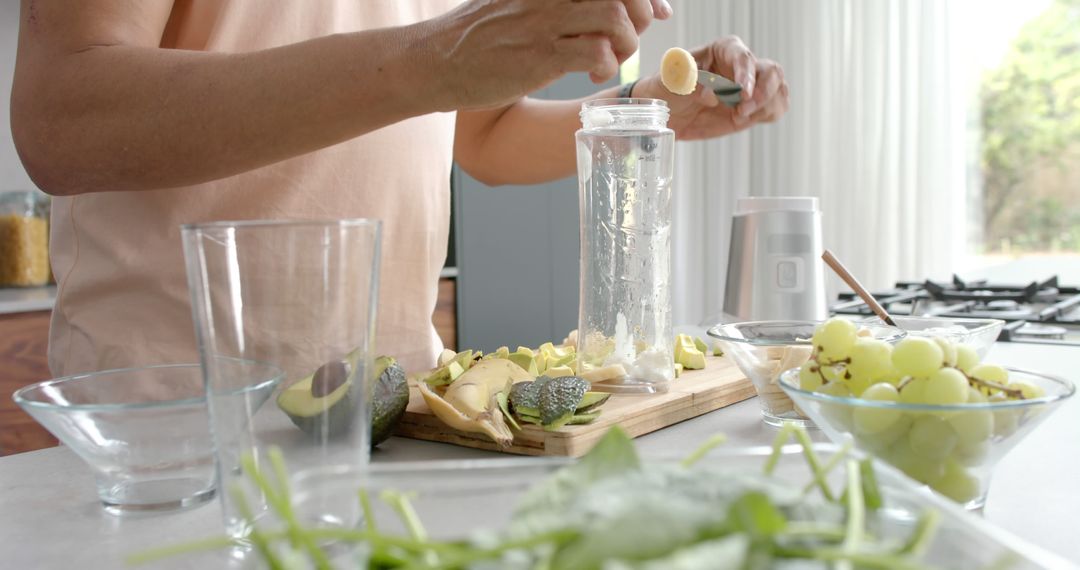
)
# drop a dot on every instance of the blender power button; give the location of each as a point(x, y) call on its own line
point(786, 275)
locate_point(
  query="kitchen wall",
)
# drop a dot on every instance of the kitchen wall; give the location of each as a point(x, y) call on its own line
point(12, 174)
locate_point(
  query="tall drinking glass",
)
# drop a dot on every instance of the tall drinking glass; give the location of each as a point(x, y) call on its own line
point(625, 155)
point(300, 297)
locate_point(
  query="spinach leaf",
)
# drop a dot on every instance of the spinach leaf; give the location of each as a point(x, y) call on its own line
point(613, 455)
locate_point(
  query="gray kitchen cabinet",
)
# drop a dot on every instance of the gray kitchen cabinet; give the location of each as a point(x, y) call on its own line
point(516, 251)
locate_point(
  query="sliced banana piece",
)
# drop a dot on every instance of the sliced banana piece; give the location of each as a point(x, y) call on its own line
point(678, 71)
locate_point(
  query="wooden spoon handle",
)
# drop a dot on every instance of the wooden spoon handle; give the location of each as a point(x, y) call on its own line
point(861, 291)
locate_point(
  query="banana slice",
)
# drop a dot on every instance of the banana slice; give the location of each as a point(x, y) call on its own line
point(678, 71)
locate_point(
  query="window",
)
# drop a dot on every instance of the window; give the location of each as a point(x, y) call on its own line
point(1025, 181)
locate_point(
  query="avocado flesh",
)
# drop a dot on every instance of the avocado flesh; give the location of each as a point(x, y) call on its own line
point(687, 353)
point(591, 401)
point(297, 400)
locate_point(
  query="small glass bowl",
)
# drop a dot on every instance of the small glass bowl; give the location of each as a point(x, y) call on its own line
point(144, 432)
point(765, 349)
point(952, 449)
point(979, 333)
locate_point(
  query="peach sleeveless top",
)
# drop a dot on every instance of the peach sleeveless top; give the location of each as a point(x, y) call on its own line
point(122, 295)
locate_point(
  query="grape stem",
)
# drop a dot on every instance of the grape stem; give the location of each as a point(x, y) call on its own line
point(1012, 392)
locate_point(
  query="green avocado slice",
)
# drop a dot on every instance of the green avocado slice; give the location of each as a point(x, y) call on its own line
point(300, 399)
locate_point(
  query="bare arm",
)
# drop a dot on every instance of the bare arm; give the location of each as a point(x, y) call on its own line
point(532, 141)
point(528, 142)
point(98, 106)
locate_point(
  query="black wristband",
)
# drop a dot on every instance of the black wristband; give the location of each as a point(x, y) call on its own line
point(627, 90)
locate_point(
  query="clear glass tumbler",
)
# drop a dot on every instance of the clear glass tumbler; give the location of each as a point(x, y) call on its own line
point(299, 296)
point(625, 155)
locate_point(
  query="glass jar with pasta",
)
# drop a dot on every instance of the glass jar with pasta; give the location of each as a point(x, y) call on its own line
point(24, 239)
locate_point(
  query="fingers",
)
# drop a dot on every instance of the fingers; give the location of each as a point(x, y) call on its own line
point(731, 58)
point(640, 12)
point(661, 9)
point(608, 18)
point(770, 77)
point(775, 108)
point(591, 54)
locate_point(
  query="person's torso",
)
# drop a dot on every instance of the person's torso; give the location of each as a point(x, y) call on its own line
point(122, 293)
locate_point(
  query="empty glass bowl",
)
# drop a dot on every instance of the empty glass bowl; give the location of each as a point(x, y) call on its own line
point(144, 432)
point(979, 333)
point(765, 349)
point(953, 449)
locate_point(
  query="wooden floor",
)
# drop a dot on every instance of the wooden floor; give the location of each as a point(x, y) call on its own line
point(23, 360)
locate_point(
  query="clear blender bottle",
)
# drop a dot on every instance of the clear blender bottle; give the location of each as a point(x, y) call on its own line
point(625, 156)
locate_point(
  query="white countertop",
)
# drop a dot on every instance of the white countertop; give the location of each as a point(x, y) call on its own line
point(19, 300)
point(50, 517)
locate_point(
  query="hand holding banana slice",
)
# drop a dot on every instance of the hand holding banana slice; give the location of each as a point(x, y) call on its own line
point(759, 93)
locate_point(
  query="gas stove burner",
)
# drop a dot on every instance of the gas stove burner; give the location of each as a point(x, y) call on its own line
point(979, 293)
point(1043, 332)
point(1040, 312)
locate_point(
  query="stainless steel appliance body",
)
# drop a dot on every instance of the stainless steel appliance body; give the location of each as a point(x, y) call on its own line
point(774, 265)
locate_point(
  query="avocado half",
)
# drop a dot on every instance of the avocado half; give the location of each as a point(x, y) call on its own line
point(323, 404)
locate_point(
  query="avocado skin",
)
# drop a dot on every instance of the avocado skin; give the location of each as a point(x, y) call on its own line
point(390, 397)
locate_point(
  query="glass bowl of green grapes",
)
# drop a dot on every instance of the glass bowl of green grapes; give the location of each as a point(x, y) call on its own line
point(927, 406)
point(764, 349)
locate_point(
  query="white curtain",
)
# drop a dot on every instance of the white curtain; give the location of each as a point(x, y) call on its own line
point(876, 131)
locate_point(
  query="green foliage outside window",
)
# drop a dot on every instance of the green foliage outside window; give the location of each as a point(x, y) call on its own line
point(1030, 120)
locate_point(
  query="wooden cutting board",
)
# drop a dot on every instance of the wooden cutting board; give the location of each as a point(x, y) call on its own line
point(694, 393)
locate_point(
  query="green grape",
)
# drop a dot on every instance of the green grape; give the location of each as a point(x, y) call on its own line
point(972, 426)
point(878, 443)
point(946, 387)
point(809, 378)
point(956, 483)
point(832, 373)
point(1005, 421)
point(893, 376)
point(948, 350)
point(870, 358)
point(966, 358)
point(838, 389)
point(912, 392)
point(1028, 389)
point(838, 414)
point(990, 373)
point(834, 340)
point(858, 385)
point(972, 455)
point(931, 437)
point(916, 356)
point(918, 467)
point(874, 420)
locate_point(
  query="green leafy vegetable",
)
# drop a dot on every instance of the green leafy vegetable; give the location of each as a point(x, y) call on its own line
point(608, 511)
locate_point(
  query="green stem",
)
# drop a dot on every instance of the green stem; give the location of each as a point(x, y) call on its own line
point(778, 446)
point(204, 545)
point(828, 467)
point(279, 501)
point(369, 513)
point(403, 507)
point(924, 531)
point(815, 463)
point(856, 510)
point(704, 449)
point(257, 538)
point(469, 556)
